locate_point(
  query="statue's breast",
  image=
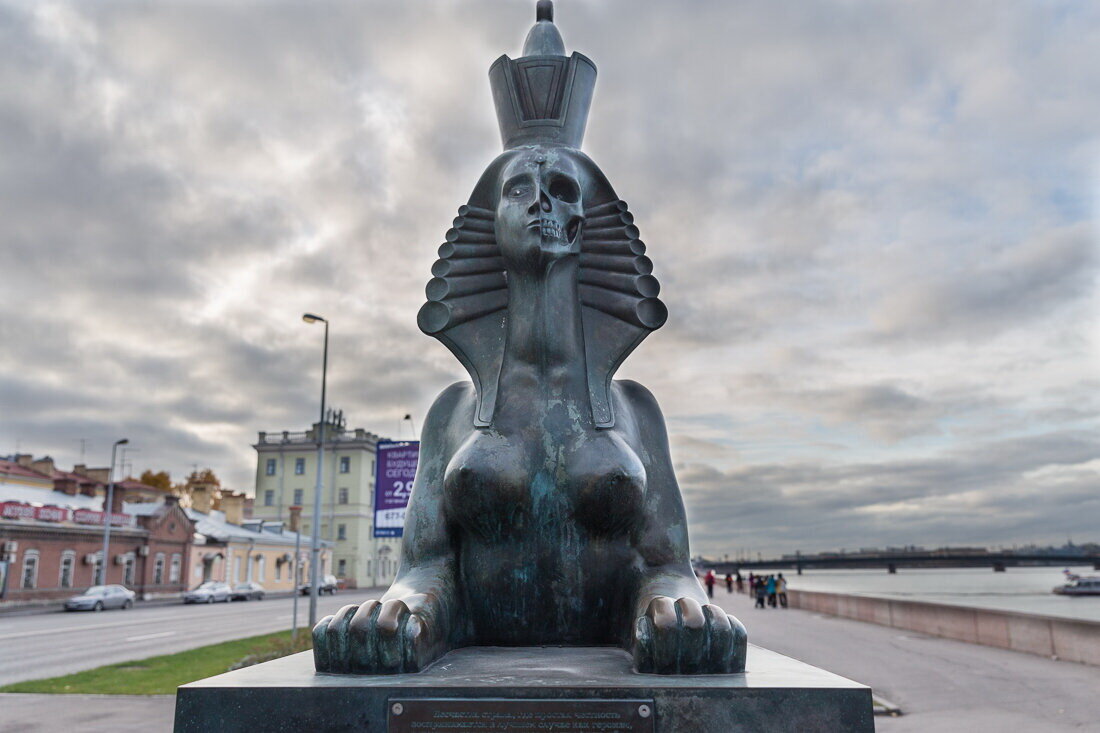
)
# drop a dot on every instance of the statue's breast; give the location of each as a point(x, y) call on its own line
point(508, 485)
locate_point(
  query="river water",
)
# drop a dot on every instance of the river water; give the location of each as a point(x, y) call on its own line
point(1026, 590)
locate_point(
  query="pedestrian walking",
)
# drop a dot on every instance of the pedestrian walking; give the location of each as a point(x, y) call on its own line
point(760, 591)
point(781, 590)
point(740, 582)
point(771, 590)
point(710, 580)
point(729, 583)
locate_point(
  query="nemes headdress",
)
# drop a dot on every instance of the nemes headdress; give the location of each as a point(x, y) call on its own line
point(543, 98)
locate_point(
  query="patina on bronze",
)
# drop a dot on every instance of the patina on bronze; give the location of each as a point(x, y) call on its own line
point(545, 509)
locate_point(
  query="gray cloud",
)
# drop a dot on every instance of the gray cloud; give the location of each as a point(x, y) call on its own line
point(874, 224)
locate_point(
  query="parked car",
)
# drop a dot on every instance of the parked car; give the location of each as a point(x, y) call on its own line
point(99, 597)
point(208, 592)
point(247, 592)
point(326, 584)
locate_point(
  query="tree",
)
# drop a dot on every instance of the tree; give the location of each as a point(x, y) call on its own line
point(205, 476)
point(160, 480)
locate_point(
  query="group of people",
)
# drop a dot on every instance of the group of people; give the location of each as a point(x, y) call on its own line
point(771, 589)
point(767, 589)
point(710, 580)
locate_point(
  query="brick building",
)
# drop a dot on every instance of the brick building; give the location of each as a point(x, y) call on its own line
point(51, 537)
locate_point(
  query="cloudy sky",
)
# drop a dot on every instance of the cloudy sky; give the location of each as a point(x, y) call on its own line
point(875, 225)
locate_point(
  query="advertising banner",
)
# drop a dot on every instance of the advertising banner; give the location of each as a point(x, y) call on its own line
point(16, 510)
point(87, 516)
point(395, 469)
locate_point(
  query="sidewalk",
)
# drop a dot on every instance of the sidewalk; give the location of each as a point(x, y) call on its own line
point(86, 713)
point(941, 685)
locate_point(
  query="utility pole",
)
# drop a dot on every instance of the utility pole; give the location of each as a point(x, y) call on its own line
point(107, 514)
point(315, 530)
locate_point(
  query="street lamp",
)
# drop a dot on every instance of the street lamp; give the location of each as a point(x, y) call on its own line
point(315, 529)
point(107, 514)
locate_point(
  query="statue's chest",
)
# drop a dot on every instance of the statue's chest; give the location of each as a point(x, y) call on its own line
point(521, 482)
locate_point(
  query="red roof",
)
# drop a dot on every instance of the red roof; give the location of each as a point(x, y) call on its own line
point(14, 469)
point(135, 485)
point(59, 474)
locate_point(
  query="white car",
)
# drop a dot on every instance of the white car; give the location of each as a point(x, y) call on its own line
point(209, 592)
point(99, 597)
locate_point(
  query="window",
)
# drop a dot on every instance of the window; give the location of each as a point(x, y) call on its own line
point(261, 567)
point(341, 531)
point(269, 497)
point(128, 570)
point(299, 466)
point(345, 464)
point(65, 573)
point(341, 567)
point(298, 496)
point(174, 569)
point(279, 569)
point(270, 467)
point(30, 569)
point(342, 496)
point(158, 569)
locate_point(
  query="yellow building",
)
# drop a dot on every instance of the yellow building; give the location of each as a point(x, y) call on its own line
point(286, 475)
point(257, 551)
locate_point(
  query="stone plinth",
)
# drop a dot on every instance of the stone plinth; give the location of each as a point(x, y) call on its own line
point(777, 693)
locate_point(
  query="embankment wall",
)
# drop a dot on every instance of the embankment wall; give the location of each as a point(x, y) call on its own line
point(1048, 636)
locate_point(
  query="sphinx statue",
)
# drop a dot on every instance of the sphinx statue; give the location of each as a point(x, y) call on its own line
point(545, 510)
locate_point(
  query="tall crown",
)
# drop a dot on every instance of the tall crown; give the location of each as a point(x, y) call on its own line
point(543, 97)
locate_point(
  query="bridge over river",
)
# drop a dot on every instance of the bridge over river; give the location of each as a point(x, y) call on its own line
point(998, 562)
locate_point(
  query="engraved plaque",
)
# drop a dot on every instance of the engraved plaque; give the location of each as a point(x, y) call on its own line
point(518, 715)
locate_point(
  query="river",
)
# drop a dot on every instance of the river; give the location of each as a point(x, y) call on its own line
point(1022, 589)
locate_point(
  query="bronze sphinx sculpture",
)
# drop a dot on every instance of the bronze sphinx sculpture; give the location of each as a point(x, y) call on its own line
point(545, 509)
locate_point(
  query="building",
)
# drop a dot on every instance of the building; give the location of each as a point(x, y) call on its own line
point(257, 550)
point(51, 545)
point(286, 475)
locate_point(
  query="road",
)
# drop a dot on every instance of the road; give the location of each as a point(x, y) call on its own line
point(51, 644)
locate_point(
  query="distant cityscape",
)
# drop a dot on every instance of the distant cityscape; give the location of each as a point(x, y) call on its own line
point(1087, 550)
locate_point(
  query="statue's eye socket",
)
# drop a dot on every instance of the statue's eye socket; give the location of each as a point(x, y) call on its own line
point(564, 190)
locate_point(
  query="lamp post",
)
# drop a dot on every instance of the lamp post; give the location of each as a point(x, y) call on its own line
point(315, 530)
point(107, 514)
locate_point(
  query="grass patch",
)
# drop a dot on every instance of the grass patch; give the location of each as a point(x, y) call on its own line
point(162, 675)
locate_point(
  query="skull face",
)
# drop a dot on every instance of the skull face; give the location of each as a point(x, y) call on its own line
point(539, 214)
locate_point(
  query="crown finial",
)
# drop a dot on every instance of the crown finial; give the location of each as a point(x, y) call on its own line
point(543, 96)
point(544, 38)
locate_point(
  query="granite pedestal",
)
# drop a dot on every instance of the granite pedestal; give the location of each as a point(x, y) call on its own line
point(527, 689)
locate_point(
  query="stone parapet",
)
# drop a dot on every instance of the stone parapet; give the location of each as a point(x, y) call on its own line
point(1048, 636)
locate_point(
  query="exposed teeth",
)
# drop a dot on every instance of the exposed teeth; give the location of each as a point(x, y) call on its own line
point(551, 229)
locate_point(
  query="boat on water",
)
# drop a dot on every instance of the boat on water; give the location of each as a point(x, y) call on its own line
point(1077, 585)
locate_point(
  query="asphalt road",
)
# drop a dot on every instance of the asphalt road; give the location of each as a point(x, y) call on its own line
point(51, 644)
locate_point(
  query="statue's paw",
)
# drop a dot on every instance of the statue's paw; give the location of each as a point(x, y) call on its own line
point(375, 638)
point(684, 637)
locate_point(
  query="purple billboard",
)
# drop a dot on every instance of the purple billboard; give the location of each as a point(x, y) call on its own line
point(395, 469)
